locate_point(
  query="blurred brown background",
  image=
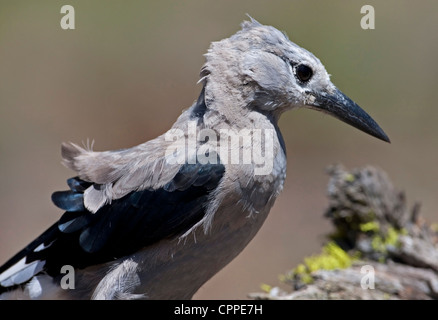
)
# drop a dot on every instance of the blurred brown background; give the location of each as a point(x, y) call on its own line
point(128, 69)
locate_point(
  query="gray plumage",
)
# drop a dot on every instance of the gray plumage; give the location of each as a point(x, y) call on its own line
point(248, 81)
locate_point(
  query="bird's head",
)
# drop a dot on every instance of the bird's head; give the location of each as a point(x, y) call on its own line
point(270, 73)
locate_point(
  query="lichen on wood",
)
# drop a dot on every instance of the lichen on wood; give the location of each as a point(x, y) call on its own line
point(379, 249)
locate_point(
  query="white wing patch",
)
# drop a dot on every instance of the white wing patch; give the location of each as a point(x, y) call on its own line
point(42, 246)
point(20, 272)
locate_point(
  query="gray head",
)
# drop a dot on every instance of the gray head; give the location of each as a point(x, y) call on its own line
point(260, 67)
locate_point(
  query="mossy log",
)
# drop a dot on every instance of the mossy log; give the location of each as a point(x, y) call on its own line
point(380, 248)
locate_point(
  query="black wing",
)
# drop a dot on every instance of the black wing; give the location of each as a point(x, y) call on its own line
point(140, 218)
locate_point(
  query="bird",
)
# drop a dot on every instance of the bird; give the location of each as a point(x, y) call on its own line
point(158, 220)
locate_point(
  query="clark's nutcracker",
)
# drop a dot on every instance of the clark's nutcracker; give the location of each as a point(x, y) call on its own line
point(157, 220)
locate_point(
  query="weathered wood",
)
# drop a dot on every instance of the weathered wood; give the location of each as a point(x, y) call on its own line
point(377, 236)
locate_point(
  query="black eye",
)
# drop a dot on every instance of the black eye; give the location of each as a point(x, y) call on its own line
point(303, 73)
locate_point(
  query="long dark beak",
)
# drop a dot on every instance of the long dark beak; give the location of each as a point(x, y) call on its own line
point(342, 107)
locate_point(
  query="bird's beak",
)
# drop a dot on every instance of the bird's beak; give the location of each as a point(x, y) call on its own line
point(342, 107)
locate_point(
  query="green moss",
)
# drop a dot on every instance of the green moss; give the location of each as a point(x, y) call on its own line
point(306, 278)
point(372, 226)
point(332, 257)
point(301, 268)
point(266, 287)
point(392, 237)
point(380, 244)
point(349, 177)
point(377, 243)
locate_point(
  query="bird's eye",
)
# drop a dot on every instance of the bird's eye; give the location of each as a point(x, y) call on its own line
point(303, 72)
